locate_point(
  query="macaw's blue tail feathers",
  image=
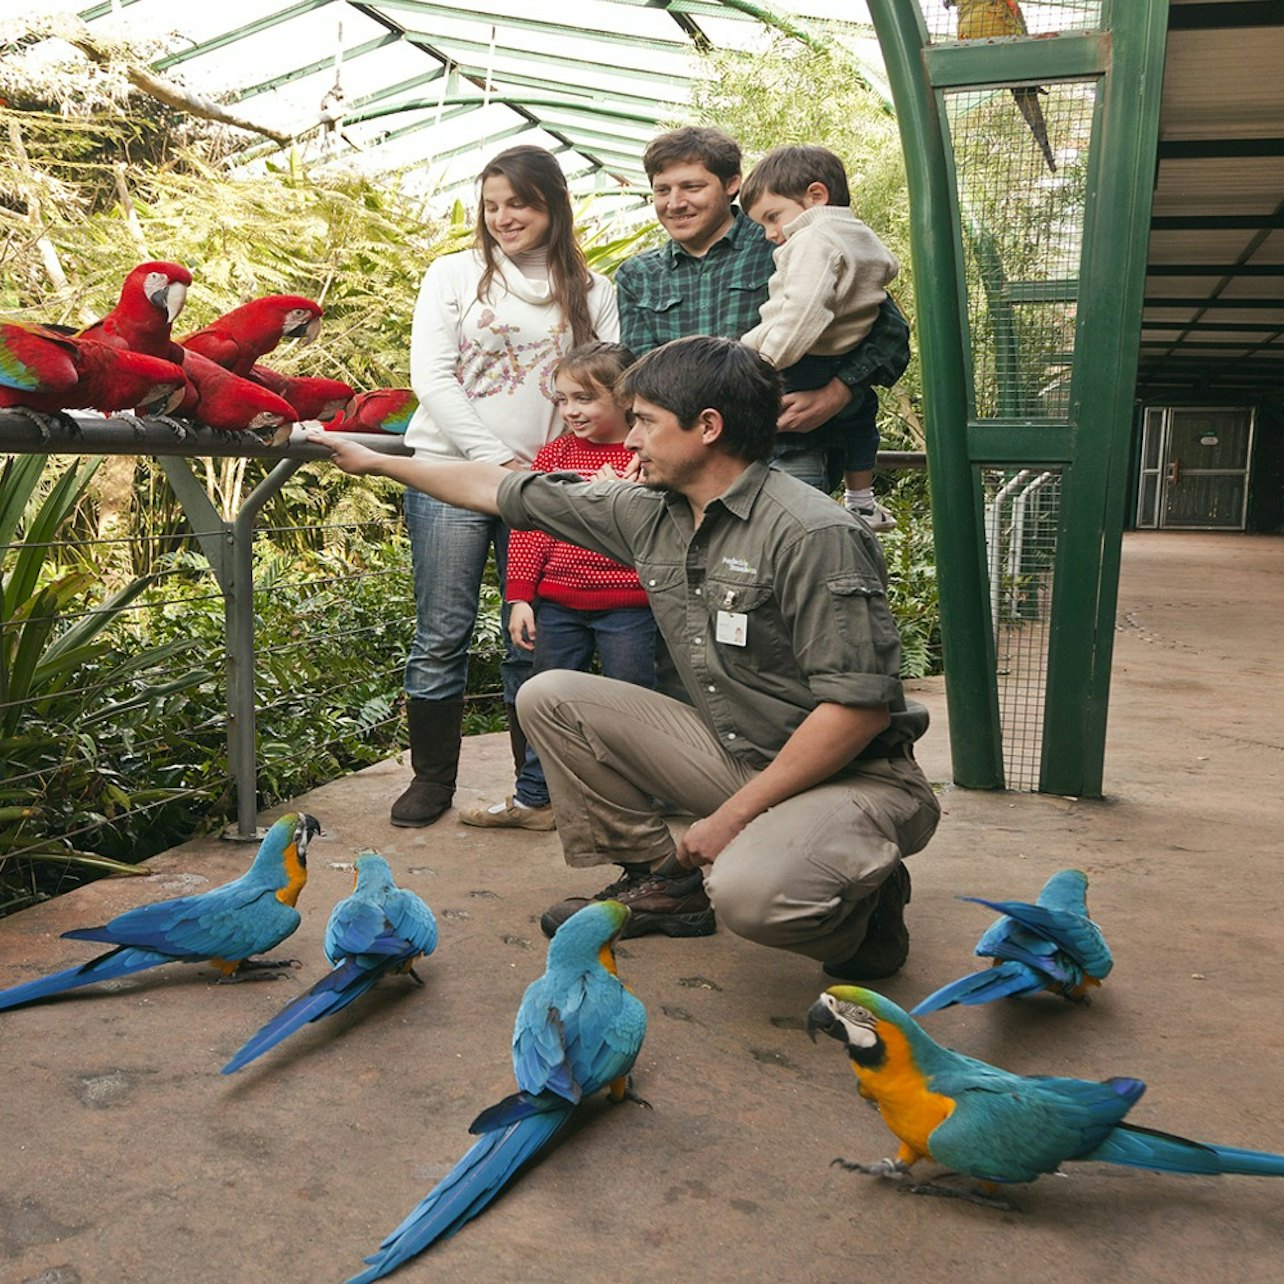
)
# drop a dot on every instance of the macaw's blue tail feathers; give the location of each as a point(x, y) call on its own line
point(466, 1190)
point(118, 962)
point(520, 1105)
point(1136, 1147)
point(1003, 981)
point(331, 994)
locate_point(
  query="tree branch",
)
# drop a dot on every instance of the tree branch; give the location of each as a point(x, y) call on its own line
point(169, 91)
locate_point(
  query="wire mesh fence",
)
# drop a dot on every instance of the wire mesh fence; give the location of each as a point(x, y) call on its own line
point(1022, 225)
point(1022, 507)
point(948, 20)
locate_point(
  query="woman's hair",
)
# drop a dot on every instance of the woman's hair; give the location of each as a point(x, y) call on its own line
point(537, 179)
point(600, 363)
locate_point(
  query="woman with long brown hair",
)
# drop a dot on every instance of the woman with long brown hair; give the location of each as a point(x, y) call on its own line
point(489, 326)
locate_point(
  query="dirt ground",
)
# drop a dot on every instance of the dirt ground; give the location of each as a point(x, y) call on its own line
point(125, 1156)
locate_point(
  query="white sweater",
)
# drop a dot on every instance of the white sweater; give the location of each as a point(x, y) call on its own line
point(483, 371)
point(830, 280)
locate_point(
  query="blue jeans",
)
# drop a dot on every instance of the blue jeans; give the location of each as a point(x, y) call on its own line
point(624, 639)
point(806, 465)
point(448, 548)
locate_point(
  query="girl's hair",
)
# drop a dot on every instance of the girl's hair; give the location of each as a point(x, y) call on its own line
point(537, 179)
point(600, 363)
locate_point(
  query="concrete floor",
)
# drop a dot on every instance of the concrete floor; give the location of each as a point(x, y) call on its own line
point(127, 1157)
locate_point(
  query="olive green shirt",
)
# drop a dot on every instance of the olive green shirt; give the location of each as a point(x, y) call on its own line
point(775, 604)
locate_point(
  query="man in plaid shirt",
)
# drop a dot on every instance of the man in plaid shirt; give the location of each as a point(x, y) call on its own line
point(711, 278)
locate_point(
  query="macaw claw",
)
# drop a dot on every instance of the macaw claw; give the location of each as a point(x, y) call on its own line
point(260, 970)
point(181, 430)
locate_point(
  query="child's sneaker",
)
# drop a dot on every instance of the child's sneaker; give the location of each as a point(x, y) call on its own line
point(510, 814)
point(874, 515)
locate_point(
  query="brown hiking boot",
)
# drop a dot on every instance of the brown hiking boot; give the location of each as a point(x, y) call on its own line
point(886, 945)
point(675, 906)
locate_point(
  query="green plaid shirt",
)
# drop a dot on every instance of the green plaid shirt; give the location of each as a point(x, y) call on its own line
point(666, 294)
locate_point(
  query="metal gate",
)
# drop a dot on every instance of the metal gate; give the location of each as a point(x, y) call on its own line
point(1195, 465)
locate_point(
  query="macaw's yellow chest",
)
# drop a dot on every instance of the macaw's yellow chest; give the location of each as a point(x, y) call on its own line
point(297, 874)
point(909, 1108)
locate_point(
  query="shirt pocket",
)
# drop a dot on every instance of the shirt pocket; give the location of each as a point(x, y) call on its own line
point(662, 299)
point(859, 601)
point(665, 588)
point(765, 638)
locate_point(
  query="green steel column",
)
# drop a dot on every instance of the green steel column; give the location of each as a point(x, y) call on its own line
point(1093, 497)
point(966, 627)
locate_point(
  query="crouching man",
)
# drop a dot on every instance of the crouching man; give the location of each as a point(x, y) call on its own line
point(796, 749)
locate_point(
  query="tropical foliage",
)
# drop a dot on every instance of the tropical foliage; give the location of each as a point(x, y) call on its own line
point(112, 651)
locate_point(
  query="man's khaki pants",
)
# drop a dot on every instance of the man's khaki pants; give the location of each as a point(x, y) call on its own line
point(798, 877)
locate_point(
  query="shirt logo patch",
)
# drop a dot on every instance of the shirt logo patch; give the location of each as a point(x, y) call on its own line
point(739, 565)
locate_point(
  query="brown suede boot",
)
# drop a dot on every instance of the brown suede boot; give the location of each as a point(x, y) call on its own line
point(435, 730)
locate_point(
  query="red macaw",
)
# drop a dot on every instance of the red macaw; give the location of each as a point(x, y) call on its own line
point(152, 296)
point(986, 19)
point(381, 410)
point(220, 399)
point(311, 396)
point(240, 337)
point(47, 371)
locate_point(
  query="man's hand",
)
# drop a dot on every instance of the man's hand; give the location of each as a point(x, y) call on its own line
point(806, 411)
point(349, 456)
point(521, 625)
point(704, 841)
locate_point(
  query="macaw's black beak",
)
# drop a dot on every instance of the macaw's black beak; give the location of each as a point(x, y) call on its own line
point(819, 1017)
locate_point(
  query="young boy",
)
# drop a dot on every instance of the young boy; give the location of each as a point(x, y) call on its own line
point(831, 276)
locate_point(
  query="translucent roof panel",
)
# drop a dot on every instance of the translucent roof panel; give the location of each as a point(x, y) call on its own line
point(429, 88)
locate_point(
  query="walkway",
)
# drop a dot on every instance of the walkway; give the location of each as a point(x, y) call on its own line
point(126, 1157)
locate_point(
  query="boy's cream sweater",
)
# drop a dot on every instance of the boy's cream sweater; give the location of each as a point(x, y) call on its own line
point(830, 279)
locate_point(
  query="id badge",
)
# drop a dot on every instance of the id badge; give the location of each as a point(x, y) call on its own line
point(732, 628)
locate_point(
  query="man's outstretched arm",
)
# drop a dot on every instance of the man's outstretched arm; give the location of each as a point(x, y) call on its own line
point(465, 484)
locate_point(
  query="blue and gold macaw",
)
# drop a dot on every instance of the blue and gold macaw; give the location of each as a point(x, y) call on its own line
point(225, 926)
point(578, 1029)
point(380, 928)
point(1051, 945)
point(997, 1127)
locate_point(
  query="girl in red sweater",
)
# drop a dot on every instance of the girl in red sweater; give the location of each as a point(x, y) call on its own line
point(565, 603)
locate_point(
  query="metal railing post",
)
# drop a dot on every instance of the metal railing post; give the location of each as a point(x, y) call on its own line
point(241, 739)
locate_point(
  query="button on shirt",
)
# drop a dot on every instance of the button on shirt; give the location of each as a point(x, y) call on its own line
point(774, 604)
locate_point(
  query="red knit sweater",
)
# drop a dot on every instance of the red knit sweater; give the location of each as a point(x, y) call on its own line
point(541, 566)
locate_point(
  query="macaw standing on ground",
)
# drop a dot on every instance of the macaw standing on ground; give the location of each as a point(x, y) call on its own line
point(578, 1029)
point(225, 926)
point(151, 297)
point(381, 410)
point(997, 1127)
point(380, 928)
point(237, 339)
point(1052, 945)
point(986, 19)
point(46, 371)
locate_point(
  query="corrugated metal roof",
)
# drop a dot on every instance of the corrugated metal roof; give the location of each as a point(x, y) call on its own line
point(1214, 312)
point(424, 87)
